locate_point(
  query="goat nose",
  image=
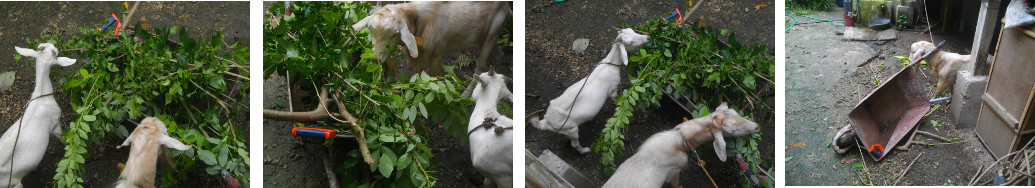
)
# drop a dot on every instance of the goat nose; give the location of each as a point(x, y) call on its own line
point(757, 128)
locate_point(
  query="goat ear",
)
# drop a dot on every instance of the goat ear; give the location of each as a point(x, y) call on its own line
point(720, 145)
point(722, 106)
point(129, 139)
point(479, 79)
point(64, 61)
point(625, 56)
point(408, 39)
point(361, 24)
point(25, 51)
point(172, 143)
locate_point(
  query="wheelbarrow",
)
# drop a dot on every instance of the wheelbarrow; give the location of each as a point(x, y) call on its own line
point(887, 113)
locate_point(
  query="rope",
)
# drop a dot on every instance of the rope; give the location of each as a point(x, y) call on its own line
point(796, 20)
point(701, 163)
point(580, 93)
point(18, 134)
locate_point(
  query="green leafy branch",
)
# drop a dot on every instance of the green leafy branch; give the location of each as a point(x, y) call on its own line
point(693, 66)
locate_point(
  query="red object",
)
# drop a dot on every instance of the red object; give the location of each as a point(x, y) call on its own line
point(880, 151)
point(313, 132)
point(849, 19)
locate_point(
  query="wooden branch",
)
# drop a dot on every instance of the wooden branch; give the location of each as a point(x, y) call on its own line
point(692, 10)
point(907, 169)
point(316, 114)
point(359, 130)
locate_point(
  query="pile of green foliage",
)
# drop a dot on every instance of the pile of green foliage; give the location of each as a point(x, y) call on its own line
point(194, 88)
point(318, 46)
point(805, 6)
point(693, 66)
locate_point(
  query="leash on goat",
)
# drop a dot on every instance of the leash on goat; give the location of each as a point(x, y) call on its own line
point(580, 93)
point(701, 163)
point(18, 134)
point(490, 123)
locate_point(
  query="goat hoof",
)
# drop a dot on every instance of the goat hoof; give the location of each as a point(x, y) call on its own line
point(583, 151)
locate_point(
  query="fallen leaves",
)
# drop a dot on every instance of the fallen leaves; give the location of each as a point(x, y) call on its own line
point(761, 5)
point(797, 145)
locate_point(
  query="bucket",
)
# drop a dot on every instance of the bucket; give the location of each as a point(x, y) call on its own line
point(849, 19)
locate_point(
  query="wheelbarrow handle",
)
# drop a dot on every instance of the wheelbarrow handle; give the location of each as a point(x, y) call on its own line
point(936, 47)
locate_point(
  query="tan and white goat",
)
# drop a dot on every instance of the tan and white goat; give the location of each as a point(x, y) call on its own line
point(583, 100)
point(942, 63)
point(489, 131)
point(42, 117)
point(427, 30)
point(664, 154)
point(149, 141)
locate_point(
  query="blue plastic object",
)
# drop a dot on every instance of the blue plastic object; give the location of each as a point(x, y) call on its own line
point(111, 20)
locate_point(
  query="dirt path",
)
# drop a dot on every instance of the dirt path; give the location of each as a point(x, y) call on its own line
point(815, 110)
point(30, 20)
point(551, 67)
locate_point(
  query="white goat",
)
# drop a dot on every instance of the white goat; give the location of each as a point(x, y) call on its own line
point(663, 155)
point(430, 29)
point(491, 146)
point(149, 140)
point(42, 115)
point(583, 100)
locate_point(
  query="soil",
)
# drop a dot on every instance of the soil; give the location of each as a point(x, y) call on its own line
point(816, 110)
point(30, 20)
point(290, 162)
point(550, 29)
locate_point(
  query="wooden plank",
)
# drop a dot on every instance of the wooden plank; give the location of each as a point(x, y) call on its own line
point(1000, 111)
point(996, 136)
point(538, 175)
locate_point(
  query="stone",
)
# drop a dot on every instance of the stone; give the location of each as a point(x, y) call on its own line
point(966, 98)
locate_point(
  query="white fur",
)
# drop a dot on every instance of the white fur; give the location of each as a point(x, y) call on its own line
point(602, 84)
point(42, 116)
point(149, 141)
point(664, 154)
point(491, 153)
point(944, 64)
point(442, 27)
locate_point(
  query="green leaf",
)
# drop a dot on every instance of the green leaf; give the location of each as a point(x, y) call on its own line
point(207, 157)
point(387, 163)
point(89, 118)
point(714, 76)
point(858, 165)
point(788, 159)
point(749, 82)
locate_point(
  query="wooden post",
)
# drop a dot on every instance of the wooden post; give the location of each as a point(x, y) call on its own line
point(983, 35)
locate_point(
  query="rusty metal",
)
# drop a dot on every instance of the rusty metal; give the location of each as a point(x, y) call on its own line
point(889, 112)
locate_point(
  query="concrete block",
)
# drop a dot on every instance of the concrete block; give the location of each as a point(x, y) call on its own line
point(565, 170)
point(966, 98)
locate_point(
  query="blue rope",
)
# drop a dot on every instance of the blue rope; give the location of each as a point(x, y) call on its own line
point(792, 24)
point(796, 20)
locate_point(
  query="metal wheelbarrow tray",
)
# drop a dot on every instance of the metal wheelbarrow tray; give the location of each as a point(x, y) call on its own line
point(890, 111)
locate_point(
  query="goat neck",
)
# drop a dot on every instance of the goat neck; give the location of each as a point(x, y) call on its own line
point(614, 57)
point(43, 84)
point(487, 96)
point(697, 131)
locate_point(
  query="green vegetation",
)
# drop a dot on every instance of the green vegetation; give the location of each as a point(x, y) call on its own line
point(804, 7)
point(193, 87)
point(318, 46)
point(693, 66)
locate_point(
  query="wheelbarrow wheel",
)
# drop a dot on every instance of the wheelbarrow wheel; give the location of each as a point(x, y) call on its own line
point(842, 141)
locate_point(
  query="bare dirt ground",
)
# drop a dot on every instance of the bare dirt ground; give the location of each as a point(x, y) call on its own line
point(292, 162)
point(30, 20)
point(552, 66)
point(827, 76)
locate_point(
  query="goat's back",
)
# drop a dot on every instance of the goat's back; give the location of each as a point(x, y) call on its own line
point(39, 119)
point(659, 157)
point(460, 24)
point(492, 154)
point(600, 84)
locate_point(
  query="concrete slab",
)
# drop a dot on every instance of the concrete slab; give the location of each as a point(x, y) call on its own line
point(966, 98)
point(565, 170)
point(855, 33)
